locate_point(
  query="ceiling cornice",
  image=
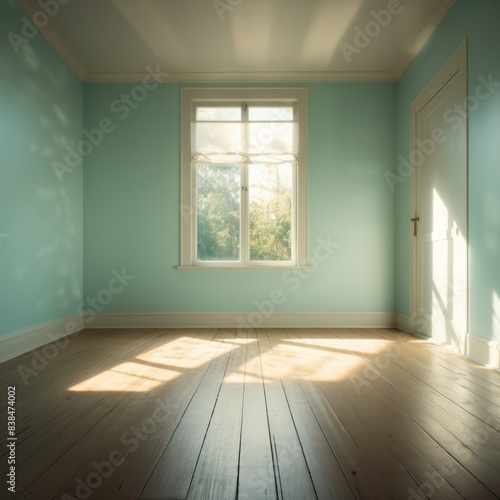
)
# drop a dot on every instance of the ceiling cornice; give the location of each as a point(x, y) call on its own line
point(245, 77)
point(425, 32)
point(30, 8)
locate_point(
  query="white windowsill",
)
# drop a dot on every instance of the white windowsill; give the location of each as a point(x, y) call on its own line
point(237, 268)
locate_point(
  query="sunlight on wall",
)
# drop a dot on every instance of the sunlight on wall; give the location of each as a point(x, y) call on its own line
point(42, 264)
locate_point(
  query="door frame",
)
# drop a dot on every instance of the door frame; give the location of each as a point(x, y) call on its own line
point(455, 64)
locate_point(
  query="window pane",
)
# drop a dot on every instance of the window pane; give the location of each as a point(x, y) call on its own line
point(218, 208)
point(218, 114)
point(270, 113)
point(270, 205)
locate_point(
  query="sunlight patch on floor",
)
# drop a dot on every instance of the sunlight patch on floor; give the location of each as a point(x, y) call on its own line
point(323, 360)
point(152, 368)
point(316, 359)
point(126, 377)
point(180, 353)
point(122, 378)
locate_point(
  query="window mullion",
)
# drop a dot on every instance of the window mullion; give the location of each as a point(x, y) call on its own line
point(193, 209)
point(295, 197)
point(245, 223)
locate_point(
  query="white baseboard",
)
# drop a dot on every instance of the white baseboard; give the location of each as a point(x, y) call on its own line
point(254, 319)
point(11, 345)
point(22, 341)
point(485, 352)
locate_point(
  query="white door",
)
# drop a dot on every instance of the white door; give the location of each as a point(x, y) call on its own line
point(441, 213)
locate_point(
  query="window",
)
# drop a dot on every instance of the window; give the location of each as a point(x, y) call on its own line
point(244, 177)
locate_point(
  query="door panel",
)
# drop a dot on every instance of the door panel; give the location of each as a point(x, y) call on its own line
point(441, 199)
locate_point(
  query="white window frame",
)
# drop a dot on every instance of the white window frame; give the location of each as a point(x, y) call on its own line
point(192, 97)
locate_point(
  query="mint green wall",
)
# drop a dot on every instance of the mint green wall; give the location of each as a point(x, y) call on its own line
point(131, 210)
point(479, 22)
point(40, 111)
point(131, 183)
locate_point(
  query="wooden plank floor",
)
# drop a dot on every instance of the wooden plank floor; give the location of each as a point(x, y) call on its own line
point(271, 414)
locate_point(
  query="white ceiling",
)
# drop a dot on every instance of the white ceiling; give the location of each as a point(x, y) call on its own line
point(115, 40)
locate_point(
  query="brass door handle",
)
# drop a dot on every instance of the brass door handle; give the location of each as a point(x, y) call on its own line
point(415, 220)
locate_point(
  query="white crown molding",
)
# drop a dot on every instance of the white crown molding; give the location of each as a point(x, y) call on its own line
point(17, 343)
point(253, 319)
point(428, 28)
point(30, 8)
point(328, 76)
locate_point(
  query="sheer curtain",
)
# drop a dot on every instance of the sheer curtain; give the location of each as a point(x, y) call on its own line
point(268, 142)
